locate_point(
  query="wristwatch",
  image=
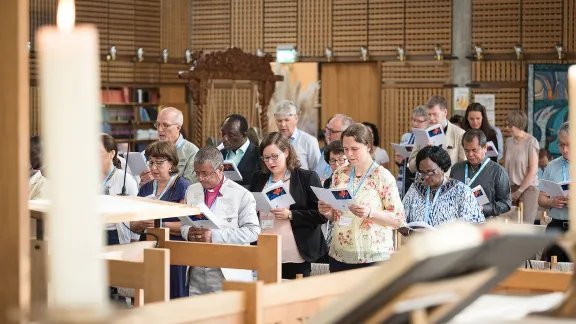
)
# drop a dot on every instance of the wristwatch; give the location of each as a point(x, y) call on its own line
point(290, 216)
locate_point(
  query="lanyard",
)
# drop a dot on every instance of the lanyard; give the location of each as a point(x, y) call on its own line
point(352, 175)
point(469, 181)
point(327, 171)
point(564, 173)
point(179, 142)
point(109, 175)
point(411, 140)
point(270, 179)
point(167, 187)
point(427, 219)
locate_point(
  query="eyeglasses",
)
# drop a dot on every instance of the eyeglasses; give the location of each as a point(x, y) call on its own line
point(418, 121)
point(157, 164)
point(339, 161)
point(272, 157)
point(157, 125)
point(332, 131)
point(429, 173)
point(203, 175)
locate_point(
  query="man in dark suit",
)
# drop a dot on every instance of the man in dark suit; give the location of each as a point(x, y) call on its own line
point(238, 148)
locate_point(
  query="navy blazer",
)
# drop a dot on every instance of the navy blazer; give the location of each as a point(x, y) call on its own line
point(249, 164)
point(306, 219)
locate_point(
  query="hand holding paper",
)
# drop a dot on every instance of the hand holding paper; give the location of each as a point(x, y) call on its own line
point(231, 171)
point(403, 150)
point(480, 195)
point(433, 134)
point(338, 198)
point(137, 162)
point(206, 219)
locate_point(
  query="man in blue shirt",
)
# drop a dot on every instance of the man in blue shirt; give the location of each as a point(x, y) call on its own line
point(558, 171)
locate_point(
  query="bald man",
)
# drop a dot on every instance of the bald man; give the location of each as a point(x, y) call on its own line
point(169, 123)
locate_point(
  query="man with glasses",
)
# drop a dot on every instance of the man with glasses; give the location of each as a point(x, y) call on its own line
point(306, 145)
point(169, 123)
point(405, 176)
point(336, 125)
point(480, 170)
point(558, 171)
point(234, 209)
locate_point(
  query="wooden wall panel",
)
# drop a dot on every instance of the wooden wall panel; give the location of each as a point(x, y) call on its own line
point(397, 106)
point(385, 26)
point(95, 13)
point(418, 72)
point(121, 26)
point(34, 110)
point(280, 23)
point(147, 28)
point(428, 25)
point(506, 101)
point(314, 27)
point(496, 24)
point(349, 26)
point(175, 26)
point(569, 25)
point(210, 24)
point(541, 25)
point(247, 24)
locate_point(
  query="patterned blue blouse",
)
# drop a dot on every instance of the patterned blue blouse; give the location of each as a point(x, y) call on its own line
point(455, 201)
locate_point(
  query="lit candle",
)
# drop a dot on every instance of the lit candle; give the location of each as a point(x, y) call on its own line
point(572, 119)
point(70, 85)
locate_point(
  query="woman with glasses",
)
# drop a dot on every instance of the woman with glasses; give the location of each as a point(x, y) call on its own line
point(362, 234)
point(521, 163)
point(299, 225)
point(335, 157)
point(166, 186)
point(435, 199)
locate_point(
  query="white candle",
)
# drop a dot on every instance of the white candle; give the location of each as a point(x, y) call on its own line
point(572, 119)
point(70, 85)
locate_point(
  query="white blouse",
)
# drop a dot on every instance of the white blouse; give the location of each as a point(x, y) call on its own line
point(113, 187)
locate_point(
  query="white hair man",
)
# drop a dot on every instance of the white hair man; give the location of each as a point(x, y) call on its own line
point(306, 145)
point(169, 123)
point(234, 208)
point(334, 128)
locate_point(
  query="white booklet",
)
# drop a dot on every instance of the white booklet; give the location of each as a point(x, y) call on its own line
point(491, 151)
point(480, 195)
point(206, 218)
point(338, 198)
point(403, 150)
point(420, 227)
point(555, 189)
point(275, 196)
point(231, 171)
point(137, 162)
point(433, 134)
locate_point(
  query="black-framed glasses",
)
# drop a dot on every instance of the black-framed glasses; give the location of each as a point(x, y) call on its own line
point(429, 173)
point(339, 161)
point(157, 164)
point(272, 157)
point(163, 125)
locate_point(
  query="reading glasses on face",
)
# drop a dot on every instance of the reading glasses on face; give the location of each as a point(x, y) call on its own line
point(272, 157)
point(339, 161)
point(163, 125)
point(429, 173)
point(202, 175)
point(332, 131)
point(157, 164)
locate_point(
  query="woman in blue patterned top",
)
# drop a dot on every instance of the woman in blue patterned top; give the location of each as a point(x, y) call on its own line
point(436, 199)
point(167, 186)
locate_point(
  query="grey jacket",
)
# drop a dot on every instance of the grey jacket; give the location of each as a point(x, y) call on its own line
point(186, 155)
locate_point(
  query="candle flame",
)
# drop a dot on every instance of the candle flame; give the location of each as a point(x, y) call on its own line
point(66, 14)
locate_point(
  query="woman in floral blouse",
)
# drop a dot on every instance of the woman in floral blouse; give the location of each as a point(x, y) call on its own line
point(362, 235)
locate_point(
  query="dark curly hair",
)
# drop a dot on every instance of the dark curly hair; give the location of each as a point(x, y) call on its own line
point(335, 147)
point(437, 155)
point(283, 143)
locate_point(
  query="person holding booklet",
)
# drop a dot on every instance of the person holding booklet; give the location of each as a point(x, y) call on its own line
point(239, 149)
point(437, 111)
point(232, 209)
point(405, 176)
point(558, 171)
point(166, 186)
point(362, 233)
point(435, 199)
point(480, 171)
point(298, 224)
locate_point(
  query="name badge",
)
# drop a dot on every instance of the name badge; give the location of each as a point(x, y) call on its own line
point(345, 221)
point(267, 223)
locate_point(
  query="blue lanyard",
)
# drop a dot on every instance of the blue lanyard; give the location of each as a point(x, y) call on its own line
point(352, 175)
point(165, 189)
point(411, 140)
point(565, 176)
point(179, 142)
point(270, 179)
point(109, 175)
point(327, 171)
point(427, 219)
point(470, 181)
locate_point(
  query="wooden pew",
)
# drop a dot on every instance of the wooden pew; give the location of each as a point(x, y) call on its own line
point(528, 281)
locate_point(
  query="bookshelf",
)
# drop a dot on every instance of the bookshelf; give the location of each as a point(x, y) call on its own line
point(122, 103)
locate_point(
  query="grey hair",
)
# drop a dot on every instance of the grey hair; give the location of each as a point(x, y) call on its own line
point(564, 129)
point(286, 107)
point(209, 154)
point(420, 111)
point(346, 121)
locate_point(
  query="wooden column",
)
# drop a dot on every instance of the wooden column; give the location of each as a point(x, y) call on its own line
point(14, 164)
